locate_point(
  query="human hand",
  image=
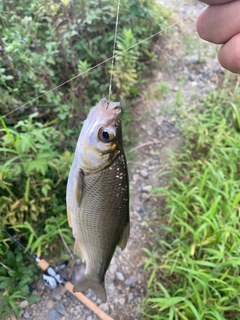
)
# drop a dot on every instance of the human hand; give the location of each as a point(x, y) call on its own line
point(219, 23)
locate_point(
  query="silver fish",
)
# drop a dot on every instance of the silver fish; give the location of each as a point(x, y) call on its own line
point(98, 194)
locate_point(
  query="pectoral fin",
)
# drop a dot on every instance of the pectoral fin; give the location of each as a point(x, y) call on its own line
point(78, 186)
point(124, 237)
point(69, 218)
point(74, 194)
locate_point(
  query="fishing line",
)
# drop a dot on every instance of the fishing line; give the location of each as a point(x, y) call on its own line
point(101, 63)
point(114, 46)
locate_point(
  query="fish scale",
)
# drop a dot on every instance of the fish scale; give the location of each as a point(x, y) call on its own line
point(106, 213)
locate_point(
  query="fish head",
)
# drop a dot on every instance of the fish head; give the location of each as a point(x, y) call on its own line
point(101, 137)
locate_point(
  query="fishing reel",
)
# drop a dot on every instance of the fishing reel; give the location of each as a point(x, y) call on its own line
point(52, 278)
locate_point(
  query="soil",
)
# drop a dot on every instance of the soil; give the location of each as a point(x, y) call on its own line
point(189, 68)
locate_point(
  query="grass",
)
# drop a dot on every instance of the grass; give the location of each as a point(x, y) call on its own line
point(194, 267)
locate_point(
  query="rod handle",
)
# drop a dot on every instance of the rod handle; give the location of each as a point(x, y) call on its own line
point(43, 264)
point(102, 315)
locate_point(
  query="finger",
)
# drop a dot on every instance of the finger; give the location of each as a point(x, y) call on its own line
point(219, 23)
point(215, 1)
point(229, 54)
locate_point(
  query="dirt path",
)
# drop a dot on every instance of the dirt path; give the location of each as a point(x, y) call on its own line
point(186, 71)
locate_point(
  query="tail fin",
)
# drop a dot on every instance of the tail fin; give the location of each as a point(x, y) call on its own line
point(97, 286)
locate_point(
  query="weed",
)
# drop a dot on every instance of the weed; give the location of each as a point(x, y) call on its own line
point(15, 277)
point(44, 43)
point(195, 272)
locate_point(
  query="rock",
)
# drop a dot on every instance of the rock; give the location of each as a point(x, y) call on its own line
point(144, 224)
point(131, 281)
point(56, 296)
point(89, 312)
point(26, 315)
point(141, 210)
point(89, 318)
point(50, 304)
point(130, 296)
point(24, 304)
point(75, 312)
point(144, 173)
point(145, 196)
point(146, 188)
point(111, 287)
point(194, 84)
point(104, 307)
point(53, 315)
point(78, 308)
point(120, 276)
point(113, 268)
point(191, 59)
point(135, 177)
point(60, 309)
point(122, 301)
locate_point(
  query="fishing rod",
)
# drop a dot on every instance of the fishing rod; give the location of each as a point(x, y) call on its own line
point(52, 279)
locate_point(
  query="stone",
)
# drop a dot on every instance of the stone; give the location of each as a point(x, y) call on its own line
point(50, 304)
point(130, 296)
point(145, 196)
point(104, 307)
point(122, 301)
point(147, 188)
point(135, 177)
point(26, 315)
point(144, 224)
point(89, 312)
point(75, 312)
point(60, 309)
point(120, 276)
point(131, 281)
point(144, 173)
point(141, 210)
point(113, 268)
point(56, 296)
point(24, 304)
point(53, 315)
point(192, 59)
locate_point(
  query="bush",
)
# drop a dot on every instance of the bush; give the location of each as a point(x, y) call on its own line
point(44, 44)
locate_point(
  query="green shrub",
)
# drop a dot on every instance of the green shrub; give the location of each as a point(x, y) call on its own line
point(195, 269)
point(44, 43)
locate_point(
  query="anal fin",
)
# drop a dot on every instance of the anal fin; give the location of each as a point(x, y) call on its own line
point(124, 236)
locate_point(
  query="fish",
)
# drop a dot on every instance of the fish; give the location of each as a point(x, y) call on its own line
point(98, 195)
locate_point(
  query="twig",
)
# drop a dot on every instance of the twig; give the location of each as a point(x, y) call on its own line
point(144, 145)
point(65, 245)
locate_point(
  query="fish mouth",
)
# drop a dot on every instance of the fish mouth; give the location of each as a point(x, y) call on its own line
point(108, 105)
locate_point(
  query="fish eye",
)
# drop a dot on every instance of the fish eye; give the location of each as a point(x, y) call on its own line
point(106, 135)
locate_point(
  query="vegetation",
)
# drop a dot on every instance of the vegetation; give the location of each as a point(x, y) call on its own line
point(44, 43)
point(194, 271)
